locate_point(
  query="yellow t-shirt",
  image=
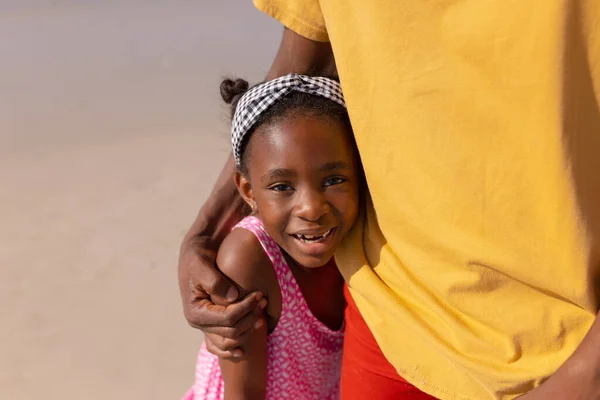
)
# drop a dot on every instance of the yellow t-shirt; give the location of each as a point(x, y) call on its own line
point(479, 130)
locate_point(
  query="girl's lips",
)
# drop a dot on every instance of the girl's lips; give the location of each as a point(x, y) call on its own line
point(317, 245)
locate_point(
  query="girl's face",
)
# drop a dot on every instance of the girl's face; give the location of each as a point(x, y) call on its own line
point(303, 178)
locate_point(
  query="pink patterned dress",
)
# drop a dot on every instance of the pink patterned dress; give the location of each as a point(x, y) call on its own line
point(304, 355)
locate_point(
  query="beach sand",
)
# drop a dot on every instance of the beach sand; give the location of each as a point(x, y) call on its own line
point(111, 135)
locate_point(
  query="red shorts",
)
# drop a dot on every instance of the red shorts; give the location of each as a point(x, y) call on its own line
point(366, 373)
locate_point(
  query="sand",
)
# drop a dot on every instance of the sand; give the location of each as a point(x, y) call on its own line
point(111, 135)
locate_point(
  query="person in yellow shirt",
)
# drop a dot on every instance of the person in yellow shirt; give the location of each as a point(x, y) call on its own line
point(476, 264)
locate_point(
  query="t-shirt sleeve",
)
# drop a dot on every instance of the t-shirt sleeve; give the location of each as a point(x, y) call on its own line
point(301, 16)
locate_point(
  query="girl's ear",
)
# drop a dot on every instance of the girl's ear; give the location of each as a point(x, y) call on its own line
point(245, 190)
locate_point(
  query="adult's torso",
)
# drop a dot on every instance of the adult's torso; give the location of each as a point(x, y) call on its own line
point(479, 131)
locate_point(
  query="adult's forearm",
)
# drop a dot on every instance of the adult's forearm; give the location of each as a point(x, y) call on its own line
point(300, 55)
point(223, 209)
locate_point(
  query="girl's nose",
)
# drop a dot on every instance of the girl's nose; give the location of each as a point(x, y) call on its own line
point(312, 205)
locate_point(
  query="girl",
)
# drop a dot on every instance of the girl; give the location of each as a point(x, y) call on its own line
point(299, 171)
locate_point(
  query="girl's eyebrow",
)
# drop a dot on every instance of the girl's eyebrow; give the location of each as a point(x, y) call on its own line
point(276, 173)
point(330, 166)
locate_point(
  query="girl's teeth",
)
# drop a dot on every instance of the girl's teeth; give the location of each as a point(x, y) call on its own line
point(308, 238)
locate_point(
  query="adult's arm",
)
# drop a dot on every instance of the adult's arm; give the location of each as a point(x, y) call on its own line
point(209, 299)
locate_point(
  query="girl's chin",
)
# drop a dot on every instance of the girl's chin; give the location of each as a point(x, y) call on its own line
point(311, 261)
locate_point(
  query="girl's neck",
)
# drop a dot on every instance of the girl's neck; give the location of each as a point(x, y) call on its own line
point(322, 288)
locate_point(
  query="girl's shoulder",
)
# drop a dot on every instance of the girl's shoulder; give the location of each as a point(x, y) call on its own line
point(243, 260)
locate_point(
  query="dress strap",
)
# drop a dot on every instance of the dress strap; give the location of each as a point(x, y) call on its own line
point(270, 246)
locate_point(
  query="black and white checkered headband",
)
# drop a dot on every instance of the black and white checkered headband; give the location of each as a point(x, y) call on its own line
point(258, 99)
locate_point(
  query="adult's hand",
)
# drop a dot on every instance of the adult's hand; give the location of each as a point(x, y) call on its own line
point(579, 377)
point(226, 323)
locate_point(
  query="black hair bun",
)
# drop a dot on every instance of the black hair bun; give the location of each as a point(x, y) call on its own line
point(231, 90)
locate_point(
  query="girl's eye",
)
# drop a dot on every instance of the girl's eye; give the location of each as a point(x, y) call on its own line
point(334, 181)
point(282, 187)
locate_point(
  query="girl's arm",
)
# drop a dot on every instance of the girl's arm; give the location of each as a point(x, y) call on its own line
point(246, 377)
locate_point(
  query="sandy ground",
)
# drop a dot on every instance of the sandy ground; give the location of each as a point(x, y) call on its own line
point(111, 134)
